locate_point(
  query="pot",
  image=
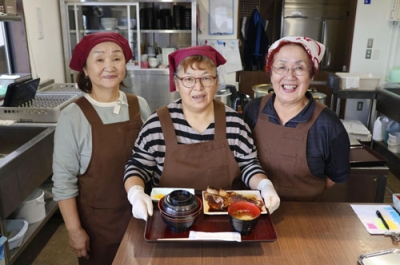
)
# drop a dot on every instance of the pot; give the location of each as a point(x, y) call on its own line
point(318, 96)
point(224, 96)
point(262, 89)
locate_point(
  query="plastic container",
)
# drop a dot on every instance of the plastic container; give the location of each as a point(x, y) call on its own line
point(33, 208)
point(380, 126)
point(394, 138)
point(17, 230)
point(394, 148)
point(391, 127)
point(358, 81)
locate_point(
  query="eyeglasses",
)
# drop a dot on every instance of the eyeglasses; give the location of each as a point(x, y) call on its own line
point(297, 71)
point(190, 82)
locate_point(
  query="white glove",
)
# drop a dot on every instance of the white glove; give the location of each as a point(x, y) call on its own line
point(268, 192)
point(141, 202)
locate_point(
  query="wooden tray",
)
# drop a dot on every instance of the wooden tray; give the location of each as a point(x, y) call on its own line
point(157, 231)
point(363, 156)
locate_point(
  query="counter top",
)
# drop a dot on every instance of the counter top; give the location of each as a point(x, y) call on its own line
point(308, 233)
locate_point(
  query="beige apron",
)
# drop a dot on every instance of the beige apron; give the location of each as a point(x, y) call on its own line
point(201, 164)
point(282, 154)
point(104, 210)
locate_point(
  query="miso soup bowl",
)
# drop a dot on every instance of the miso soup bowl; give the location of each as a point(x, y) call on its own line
point(243, 216)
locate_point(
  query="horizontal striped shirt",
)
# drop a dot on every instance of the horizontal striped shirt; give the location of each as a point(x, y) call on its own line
point(148, 154)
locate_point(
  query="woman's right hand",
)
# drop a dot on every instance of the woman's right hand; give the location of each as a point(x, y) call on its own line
point(79, 243)
point(141, 202)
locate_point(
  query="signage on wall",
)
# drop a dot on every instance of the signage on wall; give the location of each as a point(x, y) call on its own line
point(220, 19)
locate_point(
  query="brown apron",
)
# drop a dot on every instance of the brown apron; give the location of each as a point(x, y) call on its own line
point(104, 210)
point(282, 154)
point(201, 164)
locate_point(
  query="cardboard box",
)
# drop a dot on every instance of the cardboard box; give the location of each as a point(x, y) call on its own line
point(358, 81)
point(8, 7)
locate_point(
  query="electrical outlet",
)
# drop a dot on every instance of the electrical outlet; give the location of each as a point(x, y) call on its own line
point(368, 54)
point(360, 105)
point(370, 43)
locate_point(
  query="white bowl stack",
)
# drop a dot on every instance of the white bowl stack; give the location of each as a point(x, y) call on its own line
point(108, 23)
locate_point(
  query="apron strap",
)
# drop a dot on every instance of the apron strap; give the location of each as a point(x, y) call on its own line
point(264, 101)
point(133, 103)
point(89, 111)
point(220, 120)
point(167, 126)
point(319, 107)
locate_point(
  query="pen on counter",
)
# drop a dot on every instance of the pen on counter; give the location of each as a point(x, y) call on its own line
point(378, 213)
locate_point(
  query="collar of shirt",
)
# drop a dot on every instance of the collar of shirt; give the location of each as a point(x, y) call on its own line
point(116, 104)
point(303, 116)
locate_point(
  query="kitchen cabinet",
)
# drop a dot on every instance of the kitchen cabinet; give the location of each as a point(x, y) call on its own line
point(156, 24)
point(367, 179)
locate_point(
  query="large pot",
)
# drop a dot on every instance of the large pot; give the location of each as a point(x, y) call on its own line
point(263, 89)
point(224, 95)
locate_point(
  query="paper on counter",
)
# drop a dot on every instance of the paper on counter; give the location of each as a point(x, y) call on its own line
point(224, 236)
point(367, 215)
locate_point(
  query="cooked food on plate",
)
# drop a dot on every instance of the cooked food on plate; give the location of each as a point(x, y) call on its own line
point(220, 199)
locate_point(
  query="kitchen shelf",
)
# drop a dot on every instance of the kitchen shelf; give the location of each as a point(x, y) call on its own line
point(33, 230)
point(8, 18)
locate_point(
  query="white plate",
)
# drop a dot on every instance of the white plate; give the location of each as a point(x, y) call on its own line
point(157, 193)
point(247, 193)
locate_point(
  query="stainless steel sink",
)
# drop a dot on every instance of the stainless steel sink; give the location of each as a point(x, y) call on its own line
point(25, 162)
point(394, 90)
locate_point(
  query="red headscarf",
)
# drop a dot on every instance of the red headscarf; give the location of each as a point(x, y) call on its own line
point(83, 48)
point(314, 49)
point(176, 57)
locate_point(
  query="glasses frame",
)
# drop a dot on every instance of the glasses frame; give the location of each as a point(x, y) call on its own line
point(195, 80)
point(288, 69)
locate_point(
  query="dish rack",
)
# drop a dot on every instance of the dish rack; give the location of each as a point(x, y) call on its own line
point(47, 105)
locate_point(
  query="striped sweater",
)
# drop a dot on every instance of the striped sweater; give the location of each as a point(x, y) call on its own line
point(147, 160)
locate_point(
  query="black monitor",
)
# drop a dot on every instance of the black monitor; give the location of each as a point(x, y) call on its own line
point(19, 93)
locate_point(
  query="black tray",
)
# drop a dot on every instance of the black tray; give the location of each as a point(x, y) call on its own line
point(363, 156)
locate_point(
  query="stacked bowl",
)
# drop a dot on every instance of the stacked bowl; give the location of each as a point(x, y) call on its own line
point(180, 209)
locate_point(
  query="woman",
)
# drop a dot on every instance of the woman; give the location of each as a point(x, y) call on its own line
point(194, 141)
point(93, 141)
point(302, 145)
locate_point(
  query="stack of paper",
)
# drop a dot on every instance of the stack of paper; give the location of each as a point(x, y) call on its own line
point(357, 129)
point(374, 225)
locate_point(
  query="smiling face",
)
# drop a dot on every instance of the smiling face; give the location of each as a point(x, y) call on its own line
point(106, 66)
point(199, 97)
point(288, 87)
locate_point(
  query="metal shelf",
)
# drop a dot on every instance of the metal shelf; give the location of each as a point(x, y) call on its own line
point(33, 230)
point(8, 18)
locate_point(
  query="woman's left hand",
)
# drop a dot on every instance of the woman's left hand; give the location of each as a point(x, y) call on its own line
point(268, 192)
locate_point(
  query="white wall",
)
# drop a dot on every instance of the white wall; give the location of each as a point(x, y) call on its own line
point(229, 78)
point(46, 54)
point(372, 22)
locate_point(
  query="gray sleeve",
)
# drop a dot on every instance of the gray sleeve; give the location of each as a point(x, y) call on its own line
point(71, 135)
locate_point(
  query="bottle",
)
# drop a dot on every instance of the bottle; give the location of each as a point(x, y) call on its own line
point(379, 130)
